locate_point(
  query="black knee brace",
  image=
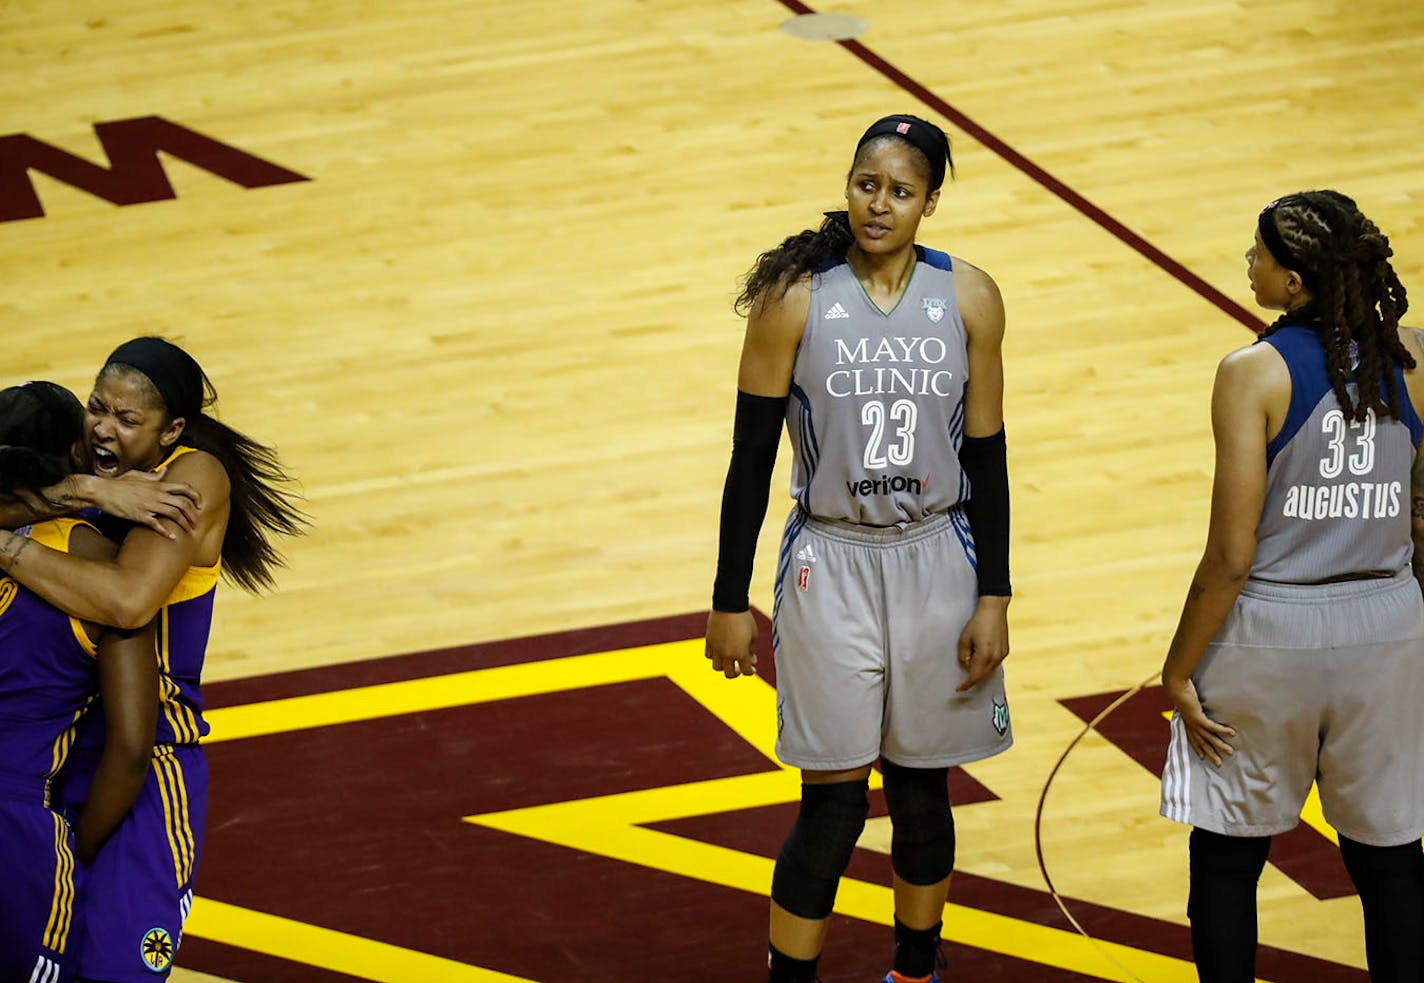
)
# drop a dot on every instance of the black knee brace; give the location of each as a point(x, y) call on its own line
point(922, 841)
point(818, 848)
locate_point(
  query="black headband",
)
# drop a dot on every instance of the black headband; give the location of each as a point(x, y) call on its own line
point(921, 134)
point(1271, 236)
point(173, 372)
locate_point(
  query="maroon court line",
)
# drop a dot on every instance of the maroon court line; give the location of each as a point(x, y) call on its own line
point(1045, 180)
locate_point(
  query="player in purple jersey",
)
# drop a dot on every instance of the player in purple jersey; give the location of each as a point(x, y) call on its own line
point(51, 668)
point(1299, 654)
point(146, 412)
point(942, 594)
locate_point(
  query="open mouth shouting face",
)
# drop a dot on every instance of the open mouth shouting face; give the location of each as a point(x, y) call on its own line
point(126, 426)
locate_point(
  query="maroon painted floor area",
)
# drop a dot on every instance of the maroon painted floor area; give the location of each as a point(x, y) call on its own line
point(357, 827)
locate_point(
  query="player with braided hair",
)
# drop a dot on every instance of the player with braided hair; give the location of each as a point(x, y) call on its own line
point(1297, 654)
point(1358, 302)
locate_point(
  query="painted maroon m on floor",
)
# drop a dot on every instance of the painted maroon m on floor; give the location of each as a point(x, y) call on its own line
point(135, 174)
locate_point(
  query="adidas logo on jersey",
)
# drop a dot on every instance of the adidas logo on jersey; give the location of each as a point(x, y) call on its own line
point(837, 311)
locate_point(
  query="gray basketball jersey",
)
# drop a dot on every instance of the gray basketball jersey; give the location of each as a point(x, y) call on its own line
point(876, 414)
point(1337, 491)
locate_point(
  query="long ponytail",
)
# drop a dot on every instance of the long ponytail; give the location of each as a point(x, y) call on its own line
point(777, 269)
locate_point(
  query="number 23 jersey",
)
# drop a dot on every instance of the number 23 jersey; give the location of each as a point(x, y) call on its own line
point(876, 414)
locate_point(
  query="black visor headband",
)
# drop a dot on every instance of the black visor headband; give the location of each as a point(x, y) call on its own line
point(1271, 236)
point(921, 134)
point(173, 372)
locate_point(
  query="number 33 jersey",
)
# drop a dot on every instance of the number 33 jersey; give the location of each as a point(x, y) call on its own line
point(1337, 490)
point(876, 414)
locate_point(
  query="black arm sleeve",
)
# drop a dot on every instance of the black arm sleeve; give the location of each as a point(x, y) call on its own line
point(756, 433)
point(986, 465)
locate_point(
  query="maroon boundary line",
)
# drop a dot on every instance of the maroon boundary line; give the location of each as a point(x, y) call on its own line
point(1045, 180)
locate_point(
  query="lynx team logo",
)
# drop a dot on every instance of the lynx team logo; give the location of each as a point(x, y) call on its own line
point(934, 308)
point(1000, 717)
point(157, 949)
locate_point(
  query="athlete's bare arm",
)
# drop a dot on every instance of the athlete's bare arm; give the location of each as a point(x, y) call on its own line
point(1249, 399)
point(984, 643)
point(128, 687)
point(774, 330)
point(127, 591)
point(138, 496)
point(982, 308)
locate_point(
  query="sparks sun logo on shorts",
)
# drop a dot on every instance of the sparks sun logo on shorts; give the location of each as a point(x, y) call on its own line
point(157, 950)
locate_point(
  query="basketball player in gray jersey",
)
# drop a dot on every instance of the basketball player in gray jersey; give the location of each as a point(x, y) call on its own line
point(1299, 656)
point(883, 360)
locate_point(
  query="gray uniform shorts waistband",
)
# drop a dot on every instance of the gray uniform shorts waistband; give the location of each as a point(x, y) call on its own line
point(881, 536)
point(1316, 593)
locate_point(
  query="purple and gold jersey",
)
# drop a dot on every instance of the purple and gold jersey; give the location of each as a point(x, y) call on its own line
point(47, 676)
point(184, 622)
point(140, 887)
point(48, 679)
point(181, 631)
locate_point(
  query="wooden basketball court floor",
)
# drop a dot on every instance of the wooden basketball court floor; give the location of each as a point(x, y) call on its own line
point(471, 735)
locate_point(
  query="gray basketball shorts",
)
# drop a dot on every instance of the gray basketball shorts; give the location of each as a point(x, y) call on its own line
point(866, 633)
point(1321, 683)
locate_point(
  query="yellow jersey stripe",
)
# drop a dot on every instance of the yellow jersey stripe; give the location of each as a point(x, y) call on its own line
point(174, 813)
point(172, 710)
point(177, 452)
point(90, 647)
point(196, 582)
point(165, 794)
point(65, 740)
point(179, 717)
point(185, 830)
point(173, 784)
point(55, 533)
point(161, 640)
point(69, 892)
point(61, 911)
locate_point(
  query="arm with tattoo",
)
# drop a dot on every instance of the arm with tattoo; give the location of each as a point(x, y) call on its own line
point(11, 546)
point(25, 507)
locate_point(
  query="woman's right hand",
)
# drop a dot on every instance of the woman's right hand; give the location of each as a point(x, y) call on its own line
point(732, 642)
point(145, 498)
point(1206, 737)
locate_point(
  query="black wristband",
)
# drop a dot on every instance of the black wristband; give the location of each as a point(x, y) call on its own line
point(985, 464)
point(756, 433)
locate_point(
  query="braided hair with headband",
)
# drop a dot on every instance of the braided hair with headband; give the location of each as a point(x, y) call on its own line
point(1356, 300)
point(805, 251)
point(260, 505)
